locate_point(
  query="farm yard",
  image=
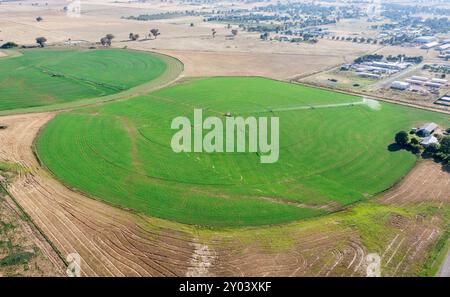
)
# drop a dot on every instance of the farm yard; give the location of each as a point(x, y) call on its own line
point(330, 157)
point(36, 78)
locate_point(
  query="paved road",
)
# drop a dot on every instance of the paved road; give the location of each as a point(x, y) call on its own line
point(445, 268)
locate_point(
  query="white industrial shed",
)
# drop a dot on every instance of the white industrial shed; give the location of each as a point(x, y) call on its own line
point(429, 140)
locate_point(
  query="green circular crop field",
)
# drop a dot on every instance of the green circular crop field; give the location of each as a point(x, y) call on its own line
point(48, 77)
point(333, 152)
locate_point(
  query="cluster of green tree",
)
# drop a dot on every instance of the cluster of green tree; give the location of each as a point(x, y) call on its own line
point(8, 45)
point(355, 39)
point(405, 58)
point(264, 28)
point(296, 10)
point(439, 151)
point(279, 18)
point(248, 18)
point(368, 58)
point(41, 41)
point(161, 16)
point(106, 41)
point(438, 69)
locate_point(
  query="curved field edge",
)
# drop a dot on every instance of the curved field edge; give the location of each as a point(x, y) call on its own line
point(174, 68)
point(274, 221)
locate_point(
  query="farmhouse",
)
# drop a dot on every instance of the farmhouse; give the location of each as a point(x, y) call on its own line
point(429, 140)
point(427, 129)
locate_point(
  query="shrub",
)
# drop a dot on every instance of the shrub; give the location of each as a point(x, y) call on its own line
point(9, 44)
point(401, 138)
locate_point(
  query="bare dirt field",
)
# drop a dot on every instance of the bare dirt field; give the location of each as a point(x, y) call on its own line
point(112, 241)
point(427, 182)
point(23, 250)
point(278, 66)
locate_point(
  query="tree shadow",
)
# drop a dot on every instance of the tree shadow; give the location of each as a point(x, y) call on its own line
point(394, 147)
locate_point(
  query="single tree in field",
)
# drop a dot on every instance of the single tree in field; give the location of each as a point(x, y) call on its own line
point(41, 41)
point(107, 40)
point(401, 138)
point(213, 32)
point(104, 41)
point(155, 32)
point(39, 19)
point(264, 36)
point(9, 44)
point(133, 36)
point(234, 32)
